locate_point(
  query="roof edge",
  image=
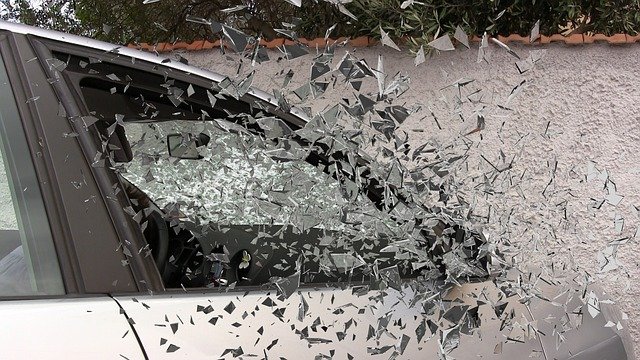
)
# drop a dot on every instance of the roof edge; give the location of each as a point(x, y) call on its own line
point(366, 41)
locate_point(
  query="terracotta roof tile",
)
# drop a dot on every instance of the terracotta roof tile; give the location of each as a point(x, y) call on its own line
point(552, 38)
point(273, 43)
point(632, 39)
point(361, 41)
point(317, 42)
point(617, 39)
point(574, 39)
point(514, 38)
point(364, 41)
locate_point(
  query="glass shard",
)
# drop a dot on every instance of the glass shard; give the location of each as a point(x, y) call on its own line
point(442, 43)
point(461, 36)
point(535, 32)
point(419, 56)
point(386, 40)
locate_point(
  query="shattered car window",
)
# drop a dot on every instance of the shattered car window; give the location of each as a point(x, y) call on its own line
point(235, 180)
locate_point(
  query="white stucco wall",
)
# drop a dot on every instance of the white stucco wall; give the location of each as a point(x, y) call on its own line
point(580, 104)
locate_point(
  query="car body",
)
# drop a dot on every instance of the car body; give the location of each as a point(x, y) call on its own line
point(95, 290)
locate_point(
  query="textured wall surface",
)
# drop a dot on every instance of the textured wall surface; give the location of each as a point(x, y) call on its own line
point(579, 105)
point(8, 220)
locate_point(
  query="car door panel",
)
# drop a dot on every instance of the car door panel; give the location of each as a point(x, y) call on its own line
point(326, 321)
point(257, 324)
point(82, 328)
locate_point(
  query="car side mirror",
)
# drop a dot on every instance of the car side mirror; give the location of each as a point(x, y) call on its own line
point(185, 146)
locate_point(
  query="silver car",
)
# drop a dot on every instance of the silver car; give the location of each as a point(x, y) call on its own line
point(151, 209)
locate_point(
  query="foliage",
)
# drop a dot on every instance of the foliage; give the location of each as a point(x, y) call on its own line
point(51, 14)
point(166, 20)
point(125, 21)
point(424, 18)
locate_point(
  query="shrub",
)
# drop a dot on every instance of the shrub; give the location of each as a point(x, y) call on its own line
point(124, 21)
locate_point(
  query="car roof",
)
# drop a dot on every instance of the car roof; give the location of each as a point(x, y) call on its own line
point(153, 58)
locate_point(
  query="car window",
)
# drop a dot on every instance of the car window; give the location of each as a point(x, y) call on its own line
point(28, 260)
point(233, 180)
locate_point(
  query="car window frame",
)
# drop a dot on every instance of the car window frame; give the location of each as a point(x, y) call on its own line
point(26, 74)
point(146, 278)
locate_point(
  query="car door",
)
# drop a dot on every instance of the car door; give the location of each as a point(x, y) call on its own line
point(269, 316)
point(58, 251)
